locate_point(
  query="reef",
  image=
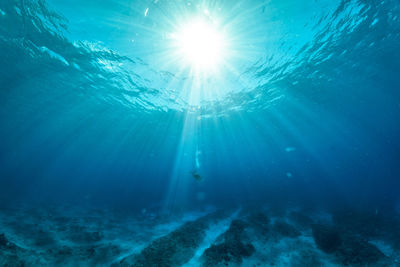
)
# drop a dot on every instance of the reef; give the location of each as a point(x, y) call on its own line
point(9, 253)
point(370, 224)
point(285, 229)
point(349, 249)
point(231, 248)
point(260, 223)
point(356, 251)
point(84, 236)
point(174, 249)
point(326, 237)
point(300, 219)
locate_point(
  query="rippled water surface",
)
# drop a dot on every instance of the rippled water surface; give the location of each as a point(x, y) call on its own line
point(121, 52)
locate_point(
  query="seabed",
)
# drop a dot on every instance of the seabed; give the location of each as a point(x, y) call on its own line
point(246, 236)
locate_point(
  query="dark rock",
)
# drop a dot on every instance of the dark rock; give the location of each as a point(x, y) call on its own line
point(348, 249)
point(44, 239)
point(236, 229)
point(285, 229)
point(11, 261)
point(174, 249)
point(369, 224)
point(227, 252)
point(61, 254)
point(356, 251)
point(231, 249)
point(87, 237)
point(3, 241)
point(326, 237)
point(306, 258)
point(64, 251)
point(102, 254)
point(259, 222)
point(5, 244)
point(356, 222)
point(300, 219)
point(90, 251)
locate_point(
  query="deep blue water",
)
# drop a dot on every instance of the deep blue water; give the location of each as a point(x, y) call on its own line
point(94, 106)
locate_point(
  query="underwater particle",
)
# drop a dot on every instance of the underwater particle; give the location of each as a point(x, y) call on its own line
point(290, 149)
point(146, 12)
point(54, 55)
point(76, 66)
point(289, 174)
point(2, 13)
point(18, 11)
point(374, 22)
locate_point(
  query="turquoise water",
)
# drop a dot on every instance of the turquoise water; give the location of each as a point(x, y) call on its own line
point(99, 107)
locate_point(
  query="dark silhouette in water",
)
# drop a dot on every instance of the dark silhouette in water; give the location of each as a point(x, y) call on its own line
point(196, 176)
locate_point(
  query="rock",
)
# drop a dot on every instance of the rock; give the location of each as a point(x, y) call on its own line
point(356, 251)
point(231, 249)
point(236, 230)
point(356, 222)
point(326, 237)
point(5, 244)
point(44, 239)
point(285, 229)
point(348, 249)
point(174, 249)
point(64, 251)
point(85, 237)
point(11, 261)
point(305, 257)
point(259, 222)
point(369, 225)
point(3, 241)
point(300, 219)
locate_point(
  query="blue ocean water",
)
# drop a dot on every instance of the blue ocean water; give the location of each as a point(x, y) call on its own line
point(97, 108)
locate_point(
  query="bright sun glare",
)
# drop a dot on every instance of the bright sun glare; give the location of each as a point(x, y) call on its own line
point(201, 45)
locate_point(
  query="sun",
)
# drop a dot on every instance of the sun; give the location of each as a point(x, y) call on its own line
point(201, 45)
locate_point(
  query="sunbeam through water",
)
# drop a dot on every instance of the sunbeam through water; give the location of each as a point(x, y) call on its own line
point(199, 133)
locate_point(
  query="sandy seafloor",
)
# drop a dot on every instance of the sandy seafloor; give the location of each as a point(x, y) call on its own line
point(246, 236)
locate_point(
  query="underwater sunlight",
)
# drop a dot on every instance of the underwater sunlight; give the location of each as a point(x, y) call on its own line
point(200, 133)
point(201, 45)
